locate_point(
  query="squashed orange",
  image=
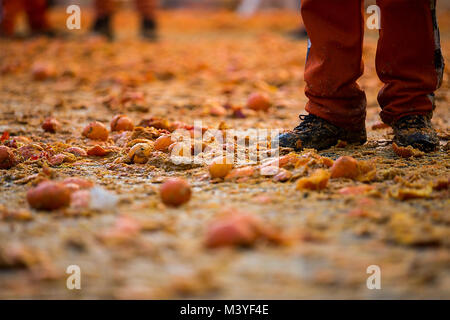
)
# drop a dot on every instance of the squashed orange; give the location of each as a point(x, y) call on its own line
point(51, 125)
point(175, 191)
point(7, 158)
point(220, 167)
point(49, 195)
point(121, 123)
point(259, 102)
point(163, 142)
point(318, 180)
point(96, 131)
point(345, 167)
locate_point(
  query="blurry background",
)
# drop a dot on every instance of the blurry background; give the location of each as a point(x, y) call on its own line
point(230, 4)
point(246, 10)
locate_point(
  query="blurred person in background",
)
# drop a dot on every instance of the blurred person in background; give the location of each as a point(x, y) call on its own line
point(105, 9)
point(249, 7)
point(36, 11)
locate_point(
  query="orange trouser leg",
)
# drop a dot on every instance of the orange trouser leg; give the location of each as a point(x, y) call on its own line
point(146, 8)
point(104, 7)
point(36, 12)
point(334, 62)
point(409, 59)
point(10, 9)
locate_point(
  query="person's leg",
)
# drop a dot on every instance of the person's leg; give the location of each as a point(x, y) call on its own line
point(410, 63)
point(408, 60)
point(104, 8)
point(147, 10)
point(103, 12)
point(37, 16)
point(334, 61)
point(337, 105)
point(10, 9)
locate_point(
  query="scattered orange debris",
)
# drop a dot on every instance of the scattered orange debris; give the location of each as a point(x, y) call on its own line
point(163, 143)
point(259, 102)
point(51, 125)
point(175, 191)
point(124, 230)
point(217, 111)
point(30, 151)
point(79, 198)
point(155, 122)
point(345, 167)
point(42, 71)
point(49, 195)
point(98, 151)
point(57, 159)
point(96, 131)
point(412, 193)
point(7, 158)
point(318, 180)
point(283, 175)
point(406, 152)
point(140, 152)
point(219, 168)
point(79, 182)
point(243, 172)
point(356, 190)
point(121, 122)
point(236, 228)
point(77, 151)
point(327, 161)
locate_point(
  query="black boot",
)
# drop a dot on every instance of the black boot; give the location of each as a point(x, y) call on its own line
point(102, 26)
point(416, 131)
point(148, 29)
point(317, 133)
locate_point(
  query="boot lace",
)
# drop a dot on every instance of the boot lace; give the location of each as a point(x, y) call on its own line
point(308, 120)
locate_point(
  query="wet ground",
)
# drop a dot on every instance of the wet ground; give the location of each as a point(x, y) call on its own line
point(204, 69)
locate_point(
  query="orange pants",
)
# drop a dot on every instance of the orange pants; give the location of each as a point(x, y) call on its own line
point(36, 13)
point(146, 8)
point(408, 61)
